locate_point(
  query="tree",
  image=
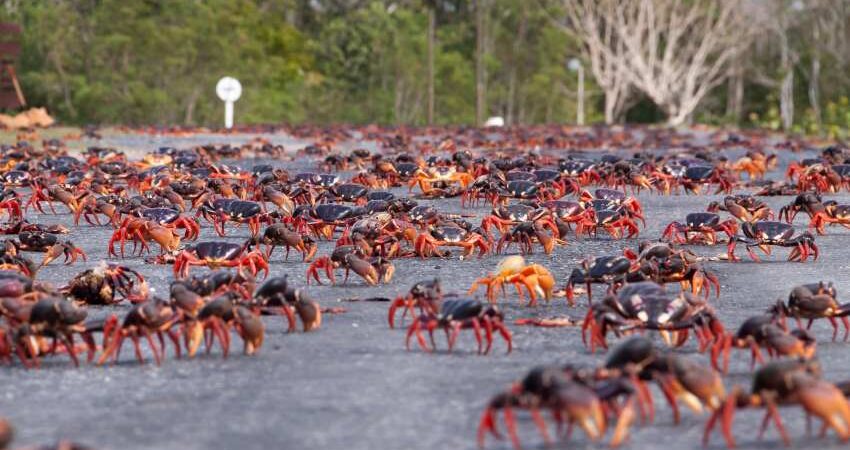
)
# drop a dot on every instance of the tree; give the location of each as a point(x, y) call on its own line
point(674, 52)
point(480, 68)
point(588, 21)
point(356, 61)
point(826, 22)
point(432, 44)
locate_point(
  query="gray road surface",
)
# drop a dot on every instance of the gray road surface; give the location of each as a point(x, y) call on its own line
point(352, 384)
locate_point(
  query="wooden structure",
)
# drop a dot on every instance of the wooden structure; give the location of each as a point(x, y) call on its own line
point(11, 95)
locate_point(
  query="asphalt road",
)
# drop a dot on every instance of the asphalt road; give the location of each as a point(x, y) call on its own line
point(353, 385)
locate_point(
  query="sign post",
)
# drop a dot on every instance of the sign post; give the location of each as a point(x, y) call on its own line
point(228, 90)
point(575, 65)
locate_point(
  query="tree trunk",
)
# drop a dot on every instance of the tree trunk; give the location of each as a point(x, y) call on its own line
point(735, 95)
point(189, 118)
point(814, 89)
point(480, 80)
point(677, 119)
point(399, 100)
point(786, 89)
point(432, 43)
point(515, 62)
point(63, 81)
point(610, 104)
point(786, 100)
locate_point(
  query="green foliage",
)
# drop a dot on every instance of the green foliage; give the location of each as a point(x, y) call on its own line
point(157, 61)
point(321, 61)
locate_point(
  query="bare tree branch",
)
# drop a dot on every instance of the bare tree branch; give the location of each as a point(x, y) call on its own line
point(674, 52)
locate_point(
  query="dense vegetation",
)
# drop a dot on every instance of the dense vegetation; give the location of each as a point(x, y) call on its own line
point(318, 61)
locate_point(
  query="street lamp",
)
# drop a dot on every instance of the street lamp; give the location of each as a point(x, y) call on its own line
point(574, 64)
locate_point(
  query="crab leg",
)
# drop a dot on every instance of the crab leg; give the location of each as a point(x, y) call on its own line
point(455, 331)
point(774, 412)
point(667, 389)
point(68, 343)
point(175, 339)
point(476, 327)
point(152, 345)
point(416, 328)
point(510, 424)
point(488, 334)
point(506, 335)
point(135, 338)
point(541, 425)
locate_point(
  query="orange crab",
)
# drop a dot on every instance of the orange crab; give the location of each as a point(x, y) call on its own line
point(432, 178)
point(513, 270)
point(755, 164)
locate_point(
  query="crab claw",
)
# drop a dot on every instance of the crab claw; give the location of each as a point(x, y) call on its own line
point(52, 253)
point(310, 313)
point(193, 337)
point(825, 401)
point(397, 303)
point(624, 421)
point(250, 328)
point(363, 268)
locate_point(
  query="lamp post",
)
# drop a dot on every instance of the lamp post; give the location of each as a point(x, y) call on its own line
point(574, 64)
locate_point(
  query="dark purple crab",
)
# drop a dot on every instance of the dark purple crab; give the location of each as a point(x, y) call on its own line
point(278, 297)
point(765, 234)
point(610, 270)
point(451, 234)
point(324, 219)
point(553, 184)
point(647, 305)
point(584, 170)
point(808, 202)
point(222, 210)
point(348, 192)
point(543, 231)
point(14, 284)
point(57, 318)
point(843, 171)
point(700, 228)
point(48, 243)
point(457, 314)
point(426, 295)
point(384, 196)
point(698, 175)
point(519, 175)
point(604, 198)
point(519, 189)
point(373, 270)
point(16, 178)
point(566, 212)
point(172, 218)
point(503, 217)
point(423, 215)
point(307, 177)
point(217, 254)
point(813, 301)
point(327, 180)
